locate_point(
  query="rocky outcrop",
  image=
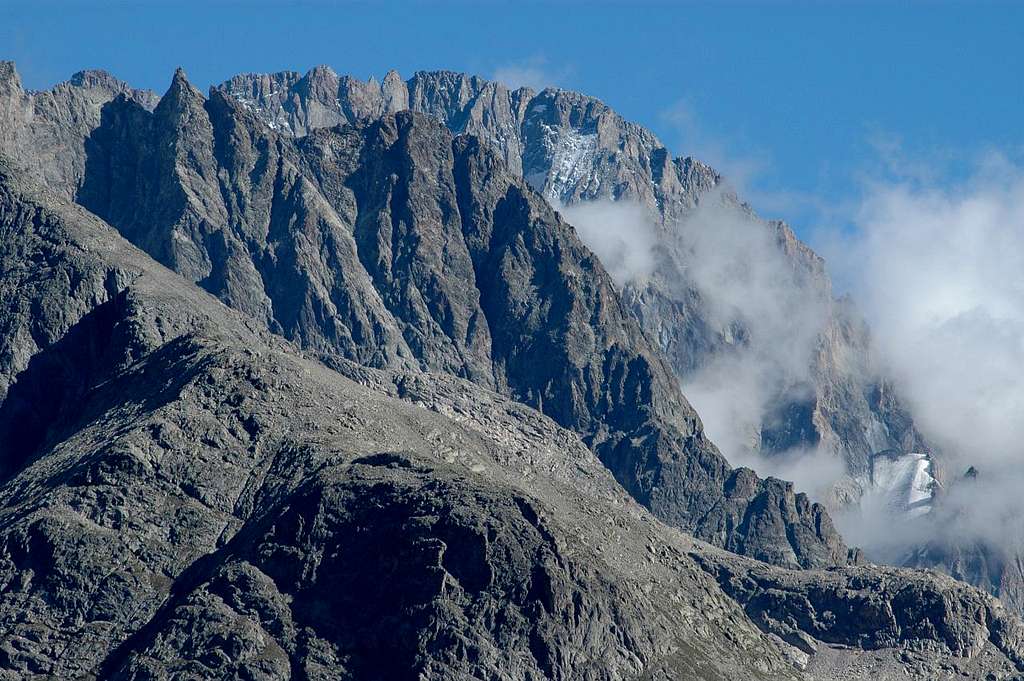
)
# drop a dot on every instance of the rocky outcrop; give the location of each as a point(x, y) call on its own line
point(43, 131)
point(394, 245)
point(874, 609)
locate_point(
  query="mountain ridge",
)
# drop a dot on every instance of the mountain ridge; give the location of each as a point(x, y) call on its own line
point(575, 149)
point(398, 241)
point(157, 533)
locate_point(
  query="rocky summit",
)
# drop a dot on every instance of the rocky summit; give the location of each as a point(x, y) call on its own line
point(303, 379)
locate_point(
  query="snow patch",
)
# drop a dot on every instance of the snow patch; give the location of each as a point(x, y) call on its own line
point(572, 161)
point(901, 485)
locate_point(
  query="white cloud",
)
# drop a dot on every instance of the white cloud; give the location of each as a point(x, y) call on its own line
point(535, 73)
point(619, 233)
point(940, 273)
point(935, 260)
point(938, 268)
point(769, 314)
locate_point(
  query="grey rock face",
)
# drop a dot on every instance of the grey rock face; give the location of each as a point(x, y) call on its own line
point(220, 506)
point(391, 244)
point(575, 149)
point(185, 494)
point(44, 130)
point(874, 608)
point(568, 146)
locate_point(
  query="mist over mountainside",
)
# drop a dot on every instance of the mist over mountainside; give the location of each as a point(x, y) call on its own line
point(295, 392)
point(939, 275)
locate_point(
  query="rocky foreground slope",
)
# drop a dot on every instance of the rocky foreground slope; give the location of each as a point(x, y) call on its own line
point(187, 494)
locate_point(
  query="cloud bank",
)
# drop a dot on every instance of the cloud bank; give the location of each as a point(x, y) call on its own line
point(620, 233)
point(937, 267)
point(535, 73)
point(939, 271)
point(940, 274)
point(769, 313)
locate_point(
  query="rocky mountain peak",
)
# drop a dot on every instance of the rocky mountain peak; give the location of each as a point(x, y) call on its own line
point(321, 83)
point(180, 94)
point(10, 81)
point(572, 149)
point(11, 96)
point(97, 78)
point(322, 72)
point(395, 92)
point(183, 106)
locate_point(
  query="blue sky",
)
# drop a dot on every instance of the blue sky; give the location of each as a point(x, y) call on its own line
point(798, 101)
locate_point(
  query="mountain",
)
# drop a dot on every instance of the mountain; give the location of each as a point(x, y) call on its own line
point(394, 245)
point(434, 472)
point(223, 507)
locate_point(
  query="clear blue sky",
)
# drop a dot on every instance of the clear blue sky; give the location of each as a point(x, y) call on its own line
point(792, 98)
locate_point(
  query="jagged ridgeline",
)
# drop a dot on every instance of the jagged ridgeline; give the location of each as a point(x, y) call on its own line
point(358, 403)
point(393, 244)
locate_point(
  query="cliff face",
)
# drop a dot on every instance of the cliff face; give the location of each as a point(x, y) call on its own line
point(44, 130)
